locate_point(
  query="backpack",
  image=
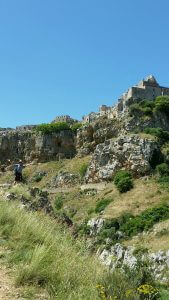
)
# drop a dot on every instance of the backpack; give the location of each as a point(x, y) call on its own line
point(17, 169)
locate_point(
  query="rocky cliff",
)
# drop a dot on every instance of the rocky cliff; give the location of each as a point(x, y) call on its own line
point(128, 152)
point(30, 146)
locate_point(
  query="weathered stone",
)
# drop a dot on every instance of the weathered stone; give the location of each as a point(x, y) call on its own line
point(89, 136)
point(64, 178)
point(28, 146)
point(127, 152)
point(95, 225)
point(120, 256)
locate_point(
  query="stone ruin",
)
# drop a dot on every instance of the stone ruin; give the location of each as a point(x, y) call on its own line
point(147, 88)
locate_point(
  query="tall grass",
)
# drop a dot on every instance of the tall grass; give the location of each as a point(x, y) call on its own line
point(45, 255)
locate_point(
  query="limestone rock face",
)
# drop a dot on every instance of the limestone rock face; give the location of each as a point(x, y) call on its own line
point(120, 256)
point(158, 120)
point(129, 152)
point(29, 146)
point(89, 136)
point(95, 225)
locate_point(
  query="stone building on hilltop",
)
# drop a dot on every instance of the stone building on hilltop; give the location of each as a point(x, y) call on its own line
point(64, 118)
point(147, 88)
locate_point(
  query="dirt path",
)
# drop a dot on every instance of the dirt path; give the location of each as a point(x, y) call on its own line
point(7, 289)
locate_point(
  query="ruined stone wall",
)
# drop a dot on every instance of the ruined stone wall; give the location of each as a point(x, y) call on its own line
point(148, 92)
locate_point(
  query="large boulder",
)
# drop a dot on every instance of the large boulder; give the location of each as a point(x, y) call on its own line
point(126, 152)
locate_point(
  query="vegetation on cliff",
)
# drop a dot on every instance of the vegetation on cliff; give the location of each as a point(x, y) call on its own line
point(52, 127)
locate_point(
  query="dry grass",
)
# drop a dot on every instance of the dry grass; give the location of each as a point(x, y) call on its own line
point(146, 136)
point(154, 240)
point(144, 195)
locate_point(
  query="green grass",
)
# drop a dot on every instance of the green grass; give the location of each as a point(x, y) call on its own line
point(102, 204)
point(44, 255)
point(83, 170)
point(131, 225)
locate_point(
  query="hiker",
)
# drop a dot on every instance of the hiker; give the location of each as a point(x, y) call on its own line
point(18, 171)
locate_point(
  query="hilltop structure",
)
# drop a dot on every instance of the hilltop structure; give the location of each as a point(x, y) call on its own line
point(147, 88)
point(64, 118)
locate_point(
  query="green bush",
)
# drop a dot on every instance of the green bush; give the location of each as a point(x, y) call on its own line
point(125, 185)
point(134, 109)
point(120, 175)
point(162, 104)
point(52, 127)
point(146, 220)
point(163, 169)
point(83, 170)
point(58, 203)
point(162, 135)
point(144, 107)
point(75, 127)
point(130, 225)
point(164, 180)
point(123, 181)
point(102, 204)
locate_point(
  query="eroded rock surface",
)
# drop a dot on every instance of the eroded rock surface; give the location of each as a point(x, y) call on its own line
point(119, 256)
point(28, 146)
point(129, 152)
point(90, 135)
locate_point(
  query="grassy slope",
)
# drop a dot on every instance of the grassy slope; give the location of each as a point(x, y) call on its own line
point(44, 255)
point(145, 194)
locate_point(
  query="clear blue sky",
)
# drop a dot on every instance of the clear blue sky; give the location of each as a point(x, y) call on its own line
point(70, 56)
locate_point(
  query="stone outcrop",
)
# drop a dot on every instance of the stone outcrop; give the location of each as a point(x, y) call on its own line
point(95, 225)
point(119, 256)
point(138, 122)
point(129, 152)
point(36, 201)
point(29, 146)
point(90, 135)
point(64, 179)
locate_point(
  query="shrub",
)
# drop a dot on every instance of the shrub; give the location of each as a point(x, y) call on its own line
point(120, 175)
point(123, 181)
point(52, 127)
point(75, 127)
point(102, 204)
point(83, 170)
point(162, 104)
point(144, 107)
point(58, 203)
point(164, 180)
point(125, 185)
point(161, 134)
point(128, 225)
point(163, 169)
point(146, 220)
point(38, 176)
point(134, 109)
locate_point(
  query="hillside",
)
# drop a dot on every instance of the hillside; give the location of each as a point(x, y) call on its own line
point(93, 207)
